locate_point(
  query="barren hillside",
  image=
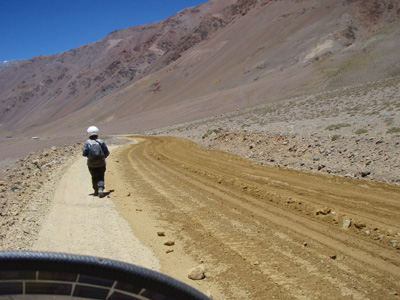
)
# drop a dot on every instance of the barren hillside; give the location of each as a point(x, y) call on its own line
point(304, 94)
point(205, 60)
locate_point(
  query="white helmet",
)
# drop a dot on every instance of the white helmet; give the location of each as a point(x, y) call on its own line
point(92, 130)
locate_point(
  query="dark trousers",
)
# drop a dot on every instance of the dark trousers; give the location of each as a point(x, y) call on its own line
point(97, 177)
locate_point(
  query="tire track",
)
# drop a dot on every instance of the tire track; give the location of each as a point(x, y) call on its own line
point(315, 189)
point(278, 212)
point(241, 227)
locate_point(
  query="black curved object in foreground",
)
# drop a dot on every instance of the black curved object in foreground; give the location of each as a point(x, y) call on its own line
point(30, 274)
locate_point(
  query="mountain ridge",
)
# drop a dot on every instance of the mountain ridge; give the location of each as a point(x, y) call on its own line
point(199, 62)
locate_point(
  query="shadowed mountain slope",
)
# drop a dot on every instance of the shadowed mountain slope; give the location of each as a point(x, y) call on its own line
point(217, 57)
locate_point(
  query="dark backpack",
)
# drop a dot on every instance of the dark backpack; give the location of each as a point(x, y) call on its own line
point(95, 152)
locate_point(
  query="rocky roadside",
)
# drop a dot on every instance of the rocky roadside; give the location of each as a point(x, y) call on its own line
point(26, 191)
point(362, 157)
point(352, 132)
point(27, 187)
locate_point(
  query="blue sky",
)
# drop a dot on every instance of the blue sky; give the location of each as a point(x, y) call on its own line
point(29, 28)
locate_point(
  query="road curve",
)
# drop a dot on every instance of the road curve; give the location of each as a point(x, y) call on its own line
point(265, 232)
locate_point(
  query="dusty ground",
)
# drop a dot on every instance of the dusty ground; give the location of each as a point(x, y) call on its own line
point(261, 232)
point(261, 226)
point(352, 132)
point(80, 223)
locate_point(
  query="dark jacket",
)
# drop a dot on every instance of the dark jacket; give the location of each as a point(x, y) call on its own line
point(88, 143)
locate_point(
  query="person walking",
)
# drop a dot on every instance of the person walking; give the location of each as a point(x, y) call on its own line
point(96, 151)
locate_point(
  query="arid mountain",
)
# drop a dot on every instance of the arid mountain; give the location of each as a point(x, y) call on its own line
point(217, 57)
point(6, 64)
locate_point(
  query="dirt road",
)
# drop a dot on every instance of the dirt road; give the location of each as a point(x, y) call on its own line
point(260, 232)
point(80, 223)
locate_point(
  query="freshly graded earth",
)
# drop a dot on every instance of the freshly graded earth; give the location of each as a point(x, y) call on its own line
point(83, 224)
point(261, 232)
point(301, 203)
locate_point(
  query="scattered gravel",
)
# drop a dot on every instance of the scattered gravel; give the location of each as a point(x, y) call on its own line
point(352, 132)
point(26, 190)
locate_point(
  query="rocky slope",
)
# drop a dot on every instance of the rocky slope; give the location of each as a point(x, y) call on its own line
point(26, 191)
point(6, 64)
point(353, 132)
point(199, 62)
point(27, 188)
point(345, 122)
point(46, 88)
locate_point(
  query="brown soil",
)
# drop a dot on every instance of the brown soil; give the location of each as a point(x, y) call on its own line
point(261, 232)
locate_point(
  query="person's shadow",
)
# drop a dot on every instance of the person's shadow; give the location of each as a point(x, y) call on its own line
point(104, 194)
